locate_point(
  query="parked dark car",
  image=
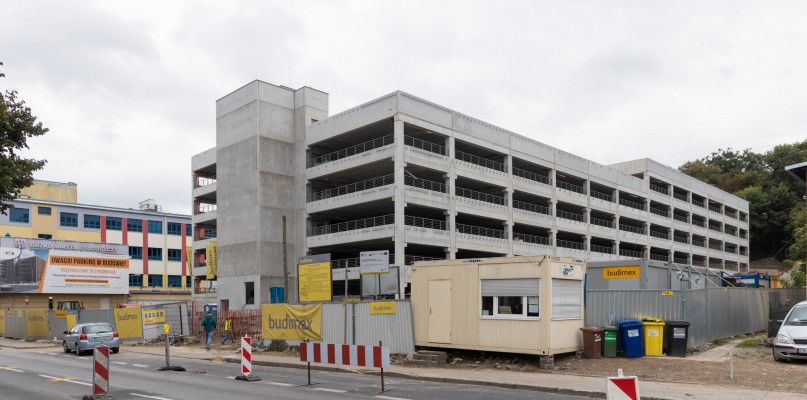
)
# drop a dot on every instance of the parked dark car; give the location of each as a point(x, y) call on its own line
point(791, 340)
point(87, 336)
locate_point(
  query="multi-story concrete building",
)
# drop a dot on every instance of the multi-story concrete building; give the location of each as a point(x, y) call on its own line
point(403, 174)
point(158, 241)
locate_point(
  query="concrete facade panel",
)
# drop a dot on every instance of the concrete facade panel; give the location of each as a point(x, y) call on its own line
point(424, 110)
point(532, 150)
point(427, 159)
point(275, 122)
point(276, 156)
point(365, 196)
point(241, 124)
point(354, 161)
point(276, 95)
point(354, 118)
point(427, 198)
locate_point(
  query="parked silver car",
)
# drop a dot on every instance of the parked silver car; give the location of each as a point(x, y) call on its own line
point(791, 341)
point(87, 336)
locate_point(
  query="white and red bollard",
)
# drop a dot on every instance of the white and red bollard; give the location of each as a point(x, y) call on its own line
point(100, 370)
point(246, 361)
point(622, 387)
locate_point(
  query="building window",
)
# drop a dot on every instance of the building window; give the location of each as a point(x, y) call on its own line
point(155, 253)
point(44, 236)
point(249, 290)
point(92, 221)
point(567, 299)
point(174, 281)
point(155, 227)
point(174, 255)
point(135, 280)
point(188, 281)
point(209, 233)
point(511, 298)
point(188, 230)
point(136, 253)
point(68, 219)
point(155, 280)
point(114, 224)
point(18, 215)
point(43, 210)
point(134, 225)
point(174, 228)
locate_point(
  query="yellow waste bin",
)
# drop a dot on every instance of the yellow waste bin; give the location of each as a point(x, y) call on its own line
point(653, 336)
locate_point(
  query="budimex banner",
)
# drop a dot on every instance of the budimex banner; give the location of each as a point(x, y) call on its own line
point(37, 323)
point(210, 259)
point(2, 323)
point(288, 322)
point(128, 323)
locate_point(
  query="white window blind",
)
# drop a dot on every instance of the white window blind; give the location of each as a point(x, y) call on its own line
point(511, 287)
point(567, 299)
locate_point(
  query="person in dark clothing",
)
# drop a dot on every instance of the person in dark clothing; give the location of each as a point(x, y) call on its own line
point(209, 323)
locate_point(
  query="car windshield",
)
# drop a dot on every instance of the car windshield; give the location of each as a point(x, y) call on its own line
point(798, 316)
point(100, 328)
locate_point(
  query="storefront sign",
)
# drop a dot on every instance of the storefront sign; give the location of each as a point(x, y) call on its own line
point(626, 272)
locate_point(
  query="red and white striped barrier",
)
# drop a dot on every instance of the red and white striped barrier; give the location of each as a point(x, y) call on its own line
point(246, 361)
point(100, 376)
point(345, 354)
point(622, 387)
point(246, 355)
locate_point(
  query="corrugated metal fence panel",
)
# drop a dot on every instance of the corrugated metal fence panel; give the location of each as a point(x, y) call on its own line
point(96, 316)
point(393, 330)
point(718, 313)
point(608, 307)
point(176, 315)
point(16, 325)
point(59, 325)
point(335, 317)
point(696, 312)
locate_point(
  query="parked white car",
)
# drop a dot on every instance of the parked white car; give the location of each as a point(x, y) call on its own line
point(791, 341)
point(87, 336)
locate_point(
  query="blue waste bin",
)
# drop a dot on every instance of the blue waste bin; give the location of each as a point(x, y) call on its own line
point(630, 335)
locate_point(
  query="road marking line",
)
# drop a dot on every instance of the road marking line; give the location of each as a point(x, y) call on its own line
point(280, 384)
point(390, 398)
point(149, 397)
point(119, 362)
point(6, 367)
point(140, 365)
point(15, 370)
point(60, 379)
point(329, 390)
point(55, 379)
point(49, 377)
point(80, 383)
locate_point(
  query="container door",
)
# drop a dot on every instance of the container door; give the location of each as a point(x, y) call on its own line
point(440, 311)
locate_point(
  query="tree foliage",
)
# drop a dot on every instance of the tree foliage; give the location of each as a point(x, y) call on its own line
point(760, 179)
point(17, 125)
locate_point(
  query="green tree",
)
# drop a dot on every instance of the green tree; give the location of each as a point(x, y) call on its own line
point(17, 124)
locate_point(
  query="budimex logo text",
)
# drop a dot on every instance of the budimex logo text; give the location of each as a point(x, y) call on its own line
point(126, 317)
point(288, 323)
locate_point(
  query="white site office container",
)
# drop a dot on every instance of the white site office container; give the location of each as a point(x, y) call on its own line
point(448, 309)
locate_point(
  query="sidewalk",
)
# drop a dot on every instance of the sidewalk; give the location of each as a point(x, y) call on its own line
point(542, 382)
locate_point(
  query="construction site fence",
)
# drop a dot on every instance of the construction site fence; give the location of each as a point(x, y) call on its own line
point(345, 323)
point(51, 324)
point(713, 313)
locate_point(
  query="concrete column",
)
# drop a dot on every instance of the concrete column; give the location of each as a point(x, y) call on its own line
point(508, 202)
point(451, 214)
point(400, 194)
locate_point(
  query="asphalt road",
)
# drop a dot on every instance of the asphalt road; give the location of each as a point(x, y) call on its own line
point(51, 374)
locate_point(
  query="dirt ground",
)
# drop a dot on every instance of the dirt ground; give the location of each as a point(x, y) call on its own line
point(753, 363)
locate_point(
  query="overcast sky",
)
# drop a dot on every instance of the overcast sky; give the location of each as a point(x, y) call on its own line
point(128, 88)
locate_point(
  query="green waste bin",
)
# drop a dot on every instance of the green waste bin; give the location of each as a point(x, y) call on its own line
point(609, 341)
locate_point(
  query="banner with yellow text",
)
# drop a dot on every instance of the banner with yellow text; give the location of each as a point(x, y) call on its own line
point(210, 256)
point(2, 324)
point(128, 322)
point(289, 322)
point(37, 323)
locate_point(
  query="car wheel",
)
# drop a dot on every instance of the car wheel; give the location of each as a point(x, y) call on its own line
point(777, 358)
point(115, 350)
point(64, 345)
point(78, 351)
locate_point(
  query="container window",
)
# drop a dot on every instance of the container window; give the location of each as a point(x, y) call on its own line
point(514, 298)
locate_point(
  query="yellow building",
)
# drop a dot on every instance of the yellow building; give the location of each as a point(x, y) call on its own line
point(158, 241)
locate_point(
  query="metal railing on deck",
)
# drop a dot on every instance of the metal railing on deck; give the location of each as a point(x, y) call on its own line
point(698, 223)
point(427, 223)
point(698, 203)
point(681, 197)
point(569, 215)
point(659, 189)
point(353, 225)
point(682, 218)
point(601, 222)
point(521, 205)
point(353, 187)
point(631, 228)
point(531, 176)
point(481, 196)
point(659, 257)
point(602, 249)
point(713, 208)
point(425, 184)
point(658, 211)
point(699, 243)
point(474, 159)
point(602, 196)
point(480, 231)
point(523, 237)
point(352, 150)
point(681, 239)
point(570, 245)
point(631, 204)
point(660, 235)
point(570, 186)
point(630, 253)
point(424, 145)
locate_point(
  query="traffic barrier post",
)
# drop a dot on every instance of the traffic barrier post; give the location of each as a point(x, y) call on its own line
point(168, 366)
point(100, 373)
point(622, 387)
point(344, 354)
point(246, 361)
